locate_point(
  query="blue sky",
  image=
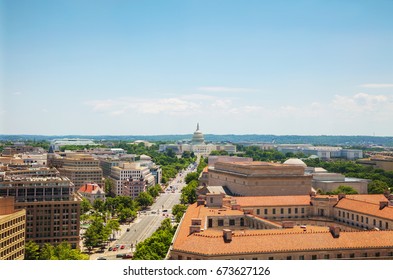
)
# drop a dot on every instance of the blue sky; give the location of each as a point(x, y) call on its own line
point(159, 67)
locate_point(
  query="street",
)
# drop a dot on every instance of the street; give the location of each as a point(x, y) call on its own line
point(147, 221)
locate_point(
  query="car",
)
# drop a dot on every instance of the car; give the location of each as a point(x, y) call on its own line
point(122, 247)
point(165, 210)
point(114, 249)
point(101, 258)
point(127, 256)
point(117, 245)
point(110, 249)
point(128, 229)
point(120, 255)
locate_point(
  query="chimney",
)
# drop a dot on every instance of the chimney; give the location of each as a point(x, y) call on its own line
point(341, 195)
point(195, 228)
point(335, 231)
point(227, 233)
point(200, 202)
point(235, 207)
point(383, 204)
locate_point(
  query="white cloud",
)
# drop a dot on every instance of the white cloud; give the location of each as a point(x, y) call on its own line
point(225, 89)
point(377, 85)
point(361, 102)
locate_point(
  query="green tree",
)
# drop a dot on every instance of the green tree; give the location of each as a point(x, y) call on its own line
point(108, 186)
point(178, 211)
point(188, 193)
point(96, 234)
point(126, 214)
point(144, 199)
point(191, 177)
point(47, 252)
point(98, 205)
point(344, 190)
point(85, 206)
point(377, 186)
point(32, 251)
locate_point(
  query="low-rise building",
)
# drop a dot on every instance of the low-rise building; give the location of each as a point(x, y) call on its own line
point(328, 227)
point(92, 192)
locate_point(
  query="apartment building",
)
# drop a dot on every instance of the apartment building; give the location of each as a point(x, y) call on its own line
point(12, 230)
point(79, 168)
point(52, 209)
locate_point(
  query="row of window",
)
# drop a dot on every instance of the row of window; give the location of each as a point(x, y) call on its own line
point(355, 217)
point(324, 256)
point(12, 222)
point(7, 252)
point(281, 210)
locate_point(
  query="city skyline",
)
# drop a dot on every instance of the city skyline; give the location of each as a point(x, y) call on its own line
point(158, 68)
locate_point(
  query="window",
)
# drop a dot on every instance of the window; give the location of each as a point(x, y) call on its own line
point(210, 223)
point(314, 257)
point(374, 222)
point(258, 211)
point(352, 256)
point(361, 219)
point(211, 200)
point(289, 258)
point(302, 210)
point(339, 256)
point(231, 222)
point(364, 255)
point(377, 254)
point(265, 211)
point(386, 225)
point(289, 210)
point(301, 257)
point(282, 210)
point(220, 223)
point(326, 257)
point(271, 258)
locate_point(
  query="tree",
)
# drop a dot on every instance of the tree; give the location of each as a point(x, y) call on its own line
point(144, 199)
point(32, 251)
point(108, 186)
point(190, 177)
point(178, 211)
point(97, 233)
point(85, 206)
point(188, 193)
point(98, 205)
point(47, 252)
point(344, 190)
point(377, 186)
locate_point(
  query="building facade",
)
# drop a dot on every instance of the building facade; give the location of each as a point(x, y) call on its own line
point(269, 228)
point(261, 178)
point(52, 209)
point(12, 230)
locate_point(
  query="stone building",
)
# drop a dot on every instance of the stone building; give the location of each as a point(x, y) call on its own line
point(286, 228)
point(12, 230)
point(261, 178)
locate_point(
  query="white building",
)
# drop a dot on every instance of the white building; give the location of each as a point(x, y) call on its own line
point(198, 146)
point(127, 171)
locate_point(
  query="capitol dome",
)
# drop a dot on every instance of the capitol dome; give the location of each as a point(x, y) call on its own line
point(198, 138)
point(295, 161)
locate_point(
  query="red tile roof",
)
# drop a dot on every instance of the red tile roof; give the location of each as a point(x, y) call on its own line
point(249, 201)
point(90, 188)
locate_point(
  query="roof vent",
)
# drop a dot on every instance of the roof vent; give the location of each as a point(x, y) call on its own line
point(383, 204)
point(227, 233)
point(335, 231)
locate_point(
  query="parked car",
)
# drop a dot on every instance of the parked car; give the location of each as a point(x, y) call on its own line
point(128, 229)
point(110, 249)
point(117, 245)
point(122, 247)
point(101, 258)
point(127, 256)
point(120, 255)
point(114, 249)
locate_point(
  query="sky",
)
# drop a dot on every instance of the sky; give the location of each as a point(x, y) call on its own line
point(133, 67)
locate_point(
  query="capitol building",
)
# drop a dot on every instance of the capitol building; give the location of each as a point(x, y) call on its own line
point(198, 146)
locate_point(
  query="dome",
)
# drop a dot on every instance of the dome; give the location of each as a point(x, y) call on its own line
point(198, 138)
point(145, 157)
point(295, 161)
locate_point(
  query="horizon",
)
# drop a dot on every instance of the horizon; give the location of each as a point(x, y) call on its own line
point(147, 68)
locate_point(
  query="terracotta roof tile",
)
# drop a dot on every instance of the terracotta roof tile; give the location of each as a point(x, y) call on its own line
point(248, 201)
